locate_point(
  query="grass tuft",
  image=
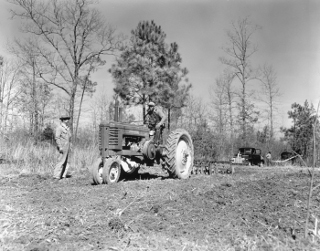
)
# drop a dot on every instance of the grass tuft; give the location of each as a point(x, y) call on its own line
point(41, 158)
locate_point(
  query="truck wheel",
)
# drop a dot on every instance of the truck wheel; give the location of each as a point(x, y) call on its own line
point(111, 171)
point(178, 154)
point(96, 172)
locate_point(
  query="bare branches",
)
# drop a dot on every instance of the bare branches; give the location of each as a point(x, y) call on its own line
point(270, 93)
point(239, 51)
point(9, 74)
point(70, 35)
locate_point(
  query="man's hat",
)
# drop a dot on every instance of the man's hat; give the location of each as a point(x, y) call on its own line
point(151, 103)
point(65, 117)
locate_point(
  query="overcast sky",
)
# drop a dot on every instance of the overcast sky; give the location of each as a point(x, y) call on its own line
point(289, 38)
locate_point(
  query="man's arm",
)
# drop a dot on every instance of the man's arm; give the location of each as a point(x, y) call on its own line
point(57, 137)
point(146, 118)
point(162, 116)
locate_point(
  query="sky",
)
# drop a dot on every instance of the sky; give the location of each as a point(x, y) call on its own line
point(289, 40)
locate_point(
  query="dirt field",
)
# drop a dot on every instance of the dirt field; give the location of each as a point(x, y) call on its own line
point(253, 209)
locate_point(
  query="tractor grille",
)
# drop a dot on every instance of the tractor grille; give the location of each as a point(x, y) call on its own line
point(108, 137)
point(113, 136)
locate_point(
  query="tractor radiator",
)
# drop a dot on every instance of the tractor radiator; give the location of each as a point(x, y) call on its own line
point(110, 139)
point(113, 137)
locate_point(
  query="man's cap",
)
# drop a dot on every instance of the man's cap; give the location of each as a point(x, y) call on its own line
point(64, 117)
point(151, 103)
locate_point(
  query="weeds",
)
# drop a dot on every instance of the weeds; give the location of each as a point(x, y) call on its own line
point(27, 157)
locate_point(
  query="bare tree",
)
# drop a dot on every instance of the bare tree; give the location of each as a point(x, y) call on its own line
point(9, 75)
point(223, 99)
point(33, 100)
point(70, 34)
point(193, 114)
point(270, 93)
point(219, 103)
point(35, 93)
point(87, 85)
point(99, 111)
point(239, 51)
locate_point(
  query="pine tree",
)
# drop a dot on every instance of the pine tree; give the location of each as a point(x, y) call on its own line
point(149, 69)
point(299, 136)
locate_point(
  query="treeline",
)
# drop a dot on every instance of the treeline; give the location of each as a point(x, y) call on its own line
point(214, 139)
point(65, 42)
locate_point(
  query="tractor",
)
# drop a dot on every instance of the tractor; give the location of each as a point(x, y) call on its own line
point(124, 148)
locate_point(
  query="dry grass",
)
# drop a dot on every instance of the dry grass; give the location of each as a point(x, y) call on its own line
point(41, 158)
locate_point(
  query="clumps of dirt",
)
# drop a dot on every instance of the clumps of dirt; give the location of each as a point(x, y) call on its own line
point(38, 247)
point(155, 208)
point(116, 225)
point(249, 210)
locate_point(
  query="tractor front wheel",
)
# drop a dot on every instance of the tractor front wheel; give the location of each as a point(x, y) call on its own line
point(96, 172)
point(178, 154)
point(111, 171)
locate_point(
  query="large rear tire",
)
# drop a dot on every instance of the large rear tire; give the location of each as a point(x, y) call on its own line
point(179, 154)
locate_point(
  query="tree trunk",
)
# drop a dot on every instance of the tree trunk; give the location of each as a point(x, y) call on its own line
point(79, 113)
point(72, 99)
point(2, 86)
point(243, 116)
point(231, 123)
point(244, 108)
point(71, 111)
point(35, 128)
point(7, 107)
point(271, 119)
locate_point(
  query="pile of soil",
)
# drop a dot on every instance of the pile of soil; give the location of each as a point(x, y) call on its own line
point(252, 209)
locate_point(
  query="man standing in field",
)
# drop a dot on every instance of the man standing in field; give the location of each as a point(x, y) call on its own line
point(63, 137)
point(156, 121)
point(268, 158)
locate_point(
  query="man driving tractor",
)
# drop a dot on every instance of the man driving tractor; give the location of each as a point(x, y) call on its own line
point(156, 122)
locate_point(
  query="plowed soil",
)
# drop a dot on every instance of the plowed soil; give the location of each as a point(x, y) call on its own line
point(252, 209)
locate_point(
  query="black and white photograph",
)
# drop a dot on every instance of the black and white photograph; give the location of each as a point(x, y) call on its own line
point(159, 125)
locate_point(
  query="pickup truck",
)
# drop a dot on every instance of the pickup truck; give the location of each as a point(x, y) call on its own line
point(248, 156)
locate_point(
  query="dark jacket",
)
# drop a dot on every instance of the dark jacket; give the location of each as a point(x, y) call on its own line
point(155, 117)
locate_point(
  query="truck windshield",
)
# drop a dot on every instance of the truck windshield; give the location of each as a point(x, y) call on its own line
point(247, 151)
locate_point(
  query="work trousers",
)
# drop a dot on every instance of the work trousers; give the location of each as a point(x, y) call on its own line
point(62, 167)
point(268, 162)
point(157, 137)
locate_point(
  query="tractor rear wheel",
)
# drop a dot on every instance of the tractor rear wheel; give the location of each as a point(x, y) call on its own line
point(178, 154)
point(96, 172)
point(111, 171)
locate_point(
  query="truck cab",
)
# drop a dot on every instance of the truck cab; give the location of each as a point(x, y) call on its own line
point(248, 156)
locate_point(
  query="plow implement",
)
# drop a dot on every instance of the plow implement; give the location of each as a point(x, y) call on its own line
point(212, 167)
point(290, 160)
